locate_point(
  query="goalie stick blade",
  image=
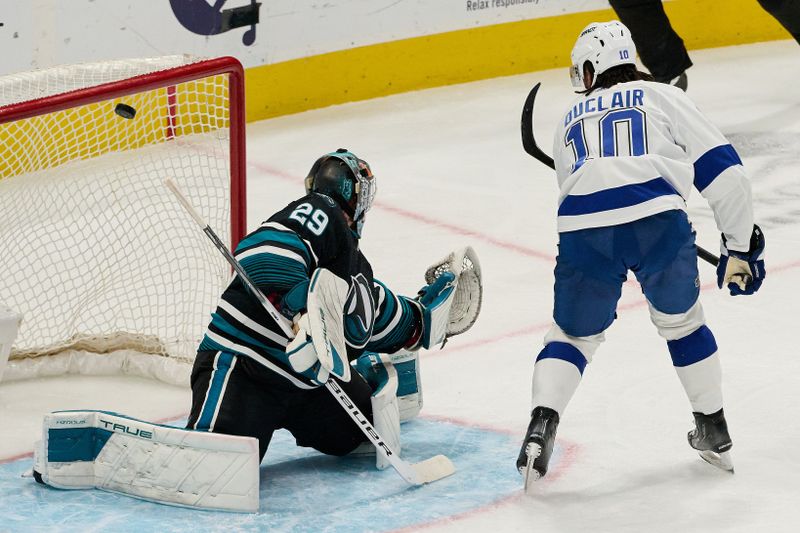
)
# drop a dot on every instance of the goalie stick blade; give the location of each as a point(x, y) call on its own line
point(722, 460)
point(433, 469)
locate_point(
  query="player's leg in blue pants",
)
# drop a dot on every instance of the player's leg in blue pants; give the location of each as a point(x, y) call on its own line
point(591, 266)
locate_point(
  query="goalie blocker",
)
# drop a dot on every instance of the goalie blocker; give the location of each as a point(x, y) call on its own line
point(108, 451)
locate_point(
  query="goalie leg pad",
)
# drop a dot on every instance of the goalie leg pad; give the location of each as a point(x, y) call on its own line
point(372, 366)
point(409, 383)
point(386, 416)
point(98, 449)
point(382, 378)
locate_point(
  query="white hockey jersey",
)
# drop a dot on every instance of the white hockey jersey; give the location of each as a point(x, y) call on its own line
point(636, 149)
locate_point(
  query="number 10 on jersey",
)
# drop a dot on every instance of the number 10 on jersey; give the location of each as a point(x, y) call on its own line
point(612, 128)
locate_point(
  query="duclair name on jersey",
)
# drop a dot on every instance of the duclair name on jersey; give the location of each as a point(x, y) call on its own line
point(604, 102)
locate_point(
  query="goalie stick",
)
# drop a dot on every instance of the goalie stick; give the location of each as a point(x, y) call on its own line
point(426, 471)
point(530, 146)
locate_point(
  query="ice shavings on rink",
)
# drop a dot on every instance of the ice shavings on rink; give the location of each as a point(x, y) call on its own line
point(301, 490)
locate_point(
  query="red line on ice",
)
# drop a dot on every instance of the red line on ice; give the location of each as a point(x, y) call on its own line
point(500, 502)
point(567, 457)
point(16, 457)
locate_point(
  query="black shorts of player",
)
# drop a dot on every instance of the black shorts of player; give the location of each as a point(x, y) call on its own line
point(237, 396)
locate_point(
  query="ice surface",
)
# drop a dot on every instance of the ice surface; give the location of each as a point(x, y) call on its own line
point(451, 171)
point(301, 490)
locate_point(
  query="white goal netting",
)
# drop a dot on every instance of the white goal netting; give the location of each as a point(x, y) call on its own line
point(107, 271)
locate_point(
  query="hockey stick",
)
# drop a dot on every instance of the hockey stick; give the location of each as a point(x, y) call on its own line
point(530, 146)
point(528, 141)
point(426, 471)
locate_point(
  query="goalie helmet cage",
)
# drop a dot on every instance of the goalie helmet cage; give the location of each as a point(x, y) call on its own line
point(106, 270)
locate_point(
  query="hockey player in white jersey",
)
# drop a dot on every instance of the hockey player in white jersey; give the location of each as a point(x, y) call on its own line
point(627, 153)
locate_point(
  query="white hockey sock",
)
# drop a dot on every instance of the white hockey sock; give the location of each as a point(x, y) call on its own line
point(702, 382)
point(554, 383)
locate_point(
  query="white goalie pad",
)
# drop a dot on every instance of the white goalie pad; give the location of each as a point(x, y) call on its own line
point(409, 382)
point(327, 294)
point(97, 449)
point(386, 416)
point(385, 411)
point(466, 304)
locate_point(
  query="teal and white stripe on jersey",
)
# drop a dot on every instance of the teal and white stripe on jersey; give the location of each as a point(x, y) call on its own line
point(276, 361)
point(279, 260)
point(395, 321)
point(224, 364)
point(248, 323)
point(276, 257)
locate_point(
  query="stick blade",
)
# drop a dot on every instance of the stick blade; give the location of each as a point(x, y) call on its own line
point(433, 469)
point(526, 125)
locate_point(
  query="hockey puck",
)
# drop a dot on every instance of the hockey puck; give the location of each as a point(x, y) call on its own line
point(125, 111)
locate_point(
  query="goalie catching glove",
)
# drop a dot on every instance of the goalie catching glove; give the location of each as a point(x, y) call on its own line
point(451, 301)
point(742, 272)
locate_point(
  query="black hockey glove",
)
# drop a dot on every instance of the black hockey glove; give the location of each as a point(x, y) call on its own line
point(742, 272)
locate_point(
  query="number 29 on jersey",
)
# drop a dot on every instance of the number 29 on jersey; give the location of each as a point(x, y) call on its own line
point(314, 219)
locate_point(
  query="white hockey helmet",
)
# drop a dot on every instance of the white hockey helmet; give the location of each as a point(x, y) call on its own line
point(604, 45)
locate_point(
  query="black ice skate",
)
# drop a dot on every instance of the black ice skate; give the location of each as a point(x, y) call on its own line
point(538, 445)
point(710, 437)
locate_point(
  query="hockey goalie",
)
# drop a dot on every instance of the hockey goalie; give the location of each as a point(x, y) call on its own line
point(305, 339)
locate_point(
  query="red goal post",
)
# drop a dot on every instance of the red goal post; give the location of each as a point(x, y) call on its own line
point(96, 255)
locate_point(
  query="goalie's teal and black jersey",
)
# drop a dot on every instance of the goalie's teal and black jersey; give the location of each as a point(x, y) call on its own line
point(280, 257)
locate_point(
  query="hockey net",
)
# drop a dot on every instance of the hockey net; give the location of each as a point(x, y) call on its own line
point(107, 271)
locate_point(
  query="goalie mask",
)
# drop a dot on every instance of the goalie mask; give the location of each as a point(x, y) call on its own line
point(346, 179)
point(604, 45)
